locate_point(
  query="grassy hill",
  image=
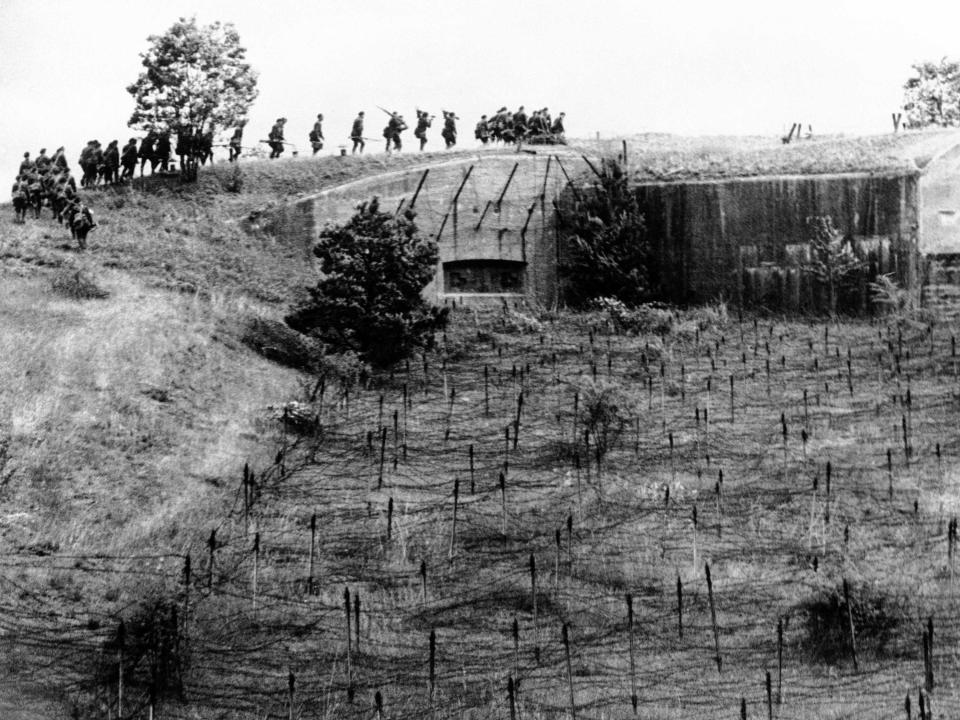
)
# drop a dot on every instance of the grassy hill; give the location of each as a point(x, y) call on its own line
point(128, 392)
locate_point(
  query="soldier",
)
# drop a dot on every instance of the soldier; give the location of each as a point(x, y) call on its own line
point(80, 221)
point(449, 133)
point(27, 165)
point(20, 199)
point(184, 144)
point(520, 124)
point(163, 151)
point(276, 138)
point(59, 160)
point(545, 121)
point(87, 167)
point(557, 127)
point(316, 135)
point(356, 133)
point(424, 121)
point(391, 132)
point(203, 146)
point(43, 161)
point(111, 163)
point(147, 152)
point(236, 143)
point(482, 131)
point(128, 159)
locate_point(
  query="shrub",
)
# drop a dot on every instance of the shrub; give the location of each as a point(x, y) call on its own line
point(646, 318)
point(369, 300)
point(277, 342)
point(877, 615)
point(77, 284)
point(833, 258)
point(606, 410)
point(608, 252)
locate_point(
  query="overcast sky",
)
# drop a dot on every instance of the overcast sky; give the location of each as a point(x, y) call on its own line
point(615, 66)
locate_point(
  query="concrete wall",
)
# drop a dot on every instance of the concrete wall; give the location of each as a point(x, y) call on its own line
point(940, 202)
point(473, 226)
point(745, 239)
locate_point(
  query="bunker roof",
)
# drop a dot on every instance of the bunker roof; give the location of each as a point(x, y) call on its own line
point(674, 158)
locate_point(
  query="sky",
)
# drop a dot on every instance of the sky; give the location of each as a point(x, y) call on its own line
point(616, 67)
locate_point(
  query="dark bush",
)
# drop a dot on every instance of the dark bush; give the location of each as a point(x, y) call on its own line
point(877, 616)
point(275, 341)
point(608, 252)
point(77, 285)
point(369, 301)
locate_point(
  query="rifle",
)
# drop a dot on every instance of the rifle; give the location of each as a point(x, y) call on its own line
point(387, 111)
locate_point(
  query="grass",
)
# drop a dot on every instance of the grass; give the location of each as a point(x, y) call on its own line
point(127, 421)
point(670, 158)
point(761, 549)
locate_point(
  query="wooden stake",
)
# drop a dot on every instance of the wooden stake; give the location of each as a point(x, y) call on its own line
point(313, 544)
point(633, 667)
point(291, 683)
point(566, 646)
point(212, 546)
point(503, 504)
point(779, 661)
point(256, 569)
point(433, 663)
point(713, 616)
point(533, 599)
point(769, 698)
point(453, 529)
point(853, 635)
point(121, 640)
point(679, 608)
point(346, 605)
point(356, 619)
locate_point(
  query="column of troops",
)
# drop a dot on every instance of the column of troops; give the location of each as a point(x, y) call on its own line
point(502, 127)
point(47, 180)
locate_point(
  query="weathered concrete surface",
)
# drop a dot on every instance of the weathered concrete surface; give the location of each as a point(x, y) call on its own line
point(491, 214)
point(940, 203)
point(746, 240)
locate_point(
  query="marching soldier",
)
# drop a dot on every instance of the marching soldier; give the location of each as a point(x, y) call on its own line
point(356, 133)
point(111, 163)
point(424, 121)
point(128, 159)
point(163, 151)
point(391, 132)
point(42, 162)
point(276, 138)
point(27, 165)
point(236, 143)
point(482, 131)
point(557, 127)
point(316, 135)
point(519, 124)
point(59, 159)
point(449, 133)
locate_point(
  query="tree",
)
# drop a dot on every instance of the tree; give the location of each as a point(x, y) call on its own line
point(832, 257)
point(195, 76)
point(608, 251)
point(932, 95)
point(369, 299)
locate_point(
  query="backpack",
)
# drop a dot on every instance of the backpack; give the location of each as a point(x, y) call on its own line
point(313, 136)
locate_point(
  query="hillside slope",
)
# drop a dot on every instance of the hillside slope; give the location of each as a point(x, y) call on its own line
point(124, 418)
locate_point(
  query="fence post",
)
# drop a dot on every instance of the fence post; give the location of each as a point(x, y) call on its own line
point(713, 616)
point(633, 667)
point(853, 635)
point(566, 647)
